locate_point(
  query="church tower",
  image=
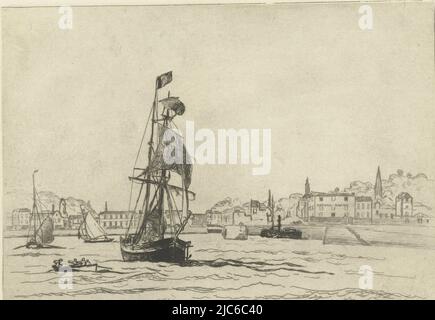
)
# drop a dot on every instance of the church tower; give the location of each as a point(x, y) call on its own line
point(307, 186)
point(378, 185)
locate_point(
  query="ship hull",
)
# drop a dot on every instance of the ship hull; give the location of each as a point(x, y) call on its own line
point(213, 228)
point(288, 234)
point(165, 250)
point(37, 245)
point(97, 240)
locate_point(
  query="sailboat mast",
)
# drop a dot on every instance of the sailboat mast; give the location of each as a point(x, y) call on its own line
point(163, 182)
point(34, 208)
point(146, 204)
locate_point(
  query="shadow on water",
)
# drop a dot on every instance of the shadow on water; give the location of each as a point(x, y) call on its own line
point(33, 254)
point(259, 266)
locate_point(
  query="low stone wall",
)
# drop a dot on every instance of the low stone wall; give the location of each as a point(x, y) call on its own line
point(364, 221)
point(329, 220)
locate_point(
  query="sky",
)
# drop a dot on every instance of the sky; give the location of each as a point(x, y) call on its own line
point(339, 100)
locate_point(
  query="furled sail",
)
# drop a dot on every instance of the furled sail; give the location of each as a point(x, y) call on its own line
point(93, 229)
point(174, 104)
point(44, 234)
point(171, 154)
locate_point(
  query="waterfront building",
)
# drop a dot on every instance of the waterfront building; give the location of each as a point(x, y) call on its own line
point(198, 219)
point(74, 221)
point(404, 205)
point(59, 221)
point(326, 205)
point(20, 218)
point(117, 219)
point(212, 217)
point(363, 207)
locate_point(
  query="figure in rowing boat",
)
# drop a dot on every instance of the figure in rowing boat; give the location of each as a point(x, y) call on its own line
point(73, 265)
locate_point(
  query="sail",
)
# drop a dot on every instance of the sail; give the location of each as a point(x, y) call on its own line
point(82, 231)
point(171, 154)
point(94, 230)
point(44, 233)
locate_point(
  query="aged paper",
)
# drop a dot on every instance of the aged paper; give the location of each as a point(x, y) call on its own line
point(227, 151)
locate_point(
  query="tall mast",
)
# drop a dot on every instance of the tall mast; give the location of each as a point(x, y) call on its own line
point(145, 206)
point(163, 181)
point(34, 208)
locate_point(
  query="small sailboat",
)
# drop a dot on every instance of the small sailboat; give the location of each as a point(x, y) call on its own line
point(41, 225)
point(90, 230)
point(149, 241)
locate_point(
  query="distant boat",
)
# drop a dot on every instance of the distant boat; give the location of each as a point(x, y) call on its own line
point(287, 232)
point(214, 228)
point(41, 226)
point(91, 231)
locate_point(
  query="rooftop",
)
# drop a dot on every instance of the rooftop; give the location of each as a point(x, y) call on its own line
point(403, 195)
point(363, 198)
point(115, 212)
point(328, 194)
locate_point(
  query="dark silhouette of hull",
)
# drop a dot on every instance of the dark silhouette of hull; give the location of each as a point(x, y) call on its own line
point(290, 233)
point(165, 250)
point(98, 240)
point(34, 245)
point(214, 228)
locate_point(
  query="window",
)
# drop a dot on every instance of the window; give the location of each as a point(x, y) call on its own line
point(345, 198)
point(321, 198)
point(357, 205)
point(332, 214)
point(362, 206)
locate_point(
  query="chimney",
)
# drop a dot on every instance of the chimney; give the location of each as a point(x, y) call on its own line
point(105, 207)
point(52, 207)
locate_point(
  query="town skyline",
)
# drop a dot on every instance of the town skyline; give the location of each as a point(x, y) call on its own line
point(423, 182)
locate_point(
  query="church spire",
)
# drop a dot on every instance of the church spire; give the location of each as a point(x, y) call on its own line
point(307, 186)
point(378, 185)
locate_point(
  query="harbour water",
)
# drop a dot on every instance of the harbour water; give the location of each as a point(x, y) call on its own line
point(256, 268)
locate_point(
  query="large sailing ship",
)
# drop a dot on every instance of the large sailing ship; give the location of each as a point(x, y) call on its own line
point(41, 225)
point(158, 200)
